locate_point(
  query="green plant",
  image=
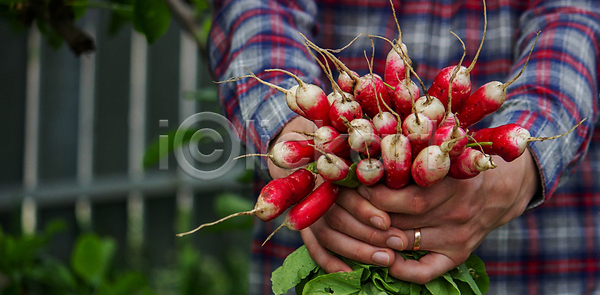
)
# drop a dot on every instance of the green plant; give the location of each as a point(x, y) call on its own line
point(26, 269)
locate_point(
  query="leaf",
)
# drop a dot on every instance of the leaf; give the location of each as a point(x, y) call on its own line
point(341, 283)
point(370, 289)
point(351, 179)
point(312, 167)
point(295, 267)
point(152, 18)
point(91, 258)
point(476, 269)
point(441, 286)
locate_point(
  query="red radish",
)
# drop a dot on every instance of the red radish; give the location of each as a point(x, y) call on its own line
point(394, 63)
point(275, 197)
point(329, 140)
point(369, 171)
point(349, 109)
point(396, 157)
point(431, 107)
point(449, 120)
point(332, 167)
point(394, 66)
point(289, 154)
point(461, 86)
point(312, 100)
point(363, 138)
point(486, 99)
point(311, 208)
point(432, 164)
point(385, 123)
point(419, 129)
point(401, 96)
point(368, 91)
point(346, 82)
point(510, 141)
point(447, 133)
point(469, 164)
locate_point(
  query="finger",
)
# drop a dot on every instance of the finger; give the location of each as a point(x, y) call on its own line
point(429, 267)
point(350, 247)
point(329, 262)
point(413, 199)
point(431, 239)
point(342, 221)
point(363, 210)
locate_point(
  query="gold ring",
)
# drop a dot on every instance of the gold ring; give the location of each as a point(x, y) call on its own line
point(417, 244)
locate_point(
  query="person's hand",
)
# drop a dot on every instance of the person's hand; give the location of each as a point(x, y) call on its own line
point(288, 133)
point(454, 217)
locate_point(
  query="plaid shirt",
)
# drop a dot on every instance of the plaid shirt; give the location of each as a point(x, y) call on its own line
point(554, 247)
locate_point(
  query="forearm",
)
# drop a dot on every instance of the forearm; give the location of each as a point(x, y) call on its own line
point(558, 88)
point(260, 35)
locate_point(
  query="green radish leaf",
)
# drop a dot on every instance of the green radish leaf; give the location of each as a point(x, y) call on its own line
point(416, 289)
point(351, 179)
point(341, 283)
point(152, 18)
point(296, 267)
point(440, 286)
point(312, 167)
point(476, 269)
point(370, 289)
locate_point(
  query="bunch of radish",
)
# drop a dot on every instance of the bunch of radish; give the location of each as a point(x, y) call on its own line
point(371, 130)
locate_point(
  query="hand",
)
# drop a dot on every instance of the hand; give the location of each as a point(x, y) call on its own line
point(454, 217)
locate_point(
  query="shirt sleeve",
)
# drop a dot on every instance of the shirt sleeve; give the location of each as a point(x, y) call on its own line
point(559, 86)
point(260, 35)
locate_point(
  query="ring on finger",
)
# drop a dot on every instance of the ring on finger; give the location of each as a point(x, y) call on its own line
point(417, 244)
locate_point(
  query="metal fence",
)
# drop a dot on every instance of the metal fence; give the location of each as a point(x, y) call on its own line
point(75, 130)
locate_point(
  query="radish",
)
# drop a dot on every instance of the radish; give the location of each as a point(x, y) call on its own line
point(394, 66)
point(369, 171)
point(487, 98)
point(329, 140)
point(431, 107)
point(394, 63)
point(447, 133)
point(362, 137)
point(347, 108)
point(332, 167)
point(346, 82)
point(403, 96)
point(396, 157)
point(369, 92)
point(431, 165)
point(419, 129)
point(275, 197)
point(461, 86)
point(311, 208)
point(469, 164)
point(510, 141)
point(289, 154)
point(311, 99)
point(385, 123)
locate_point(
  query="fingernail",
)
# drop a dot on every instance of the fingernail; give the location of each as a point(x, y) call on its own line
point(381, 258)
point(395, 243)
point(377, 222)
point(364, 191)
